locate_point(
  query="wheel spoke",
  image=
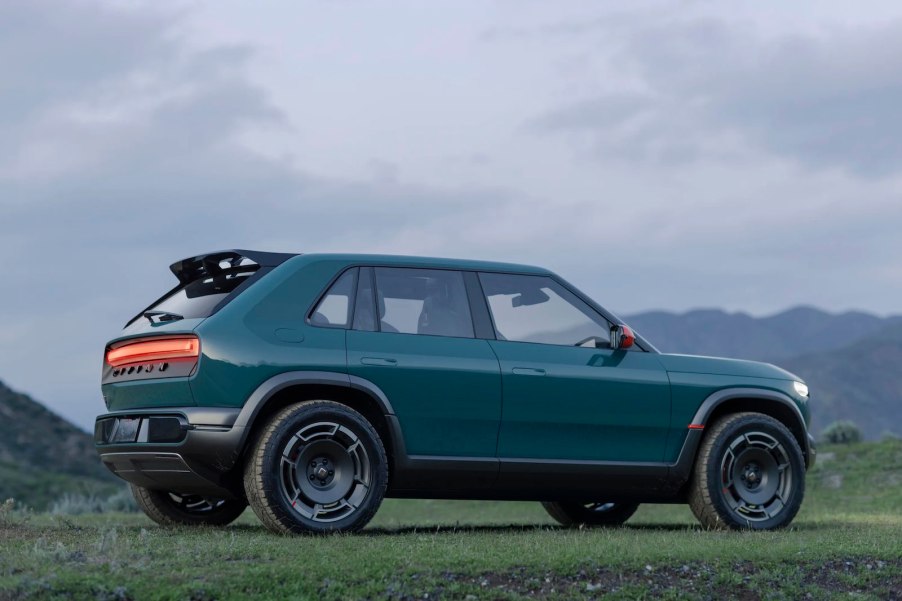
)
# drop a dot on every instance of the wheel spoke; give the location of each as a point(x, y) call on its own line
point(325, 471)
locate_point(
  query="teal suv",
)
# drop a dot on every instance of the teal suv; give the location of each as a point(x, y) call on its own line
point(312, 386)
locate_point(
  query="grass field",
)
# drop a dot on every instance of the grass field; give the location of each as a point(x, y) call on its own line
point(845, 543)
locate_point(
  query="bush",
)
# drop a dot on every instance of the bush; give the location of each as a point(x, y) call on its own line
point(841, 432)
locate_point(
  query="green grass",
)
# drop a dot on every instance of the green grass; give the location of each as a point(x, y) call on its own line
point(847, 540)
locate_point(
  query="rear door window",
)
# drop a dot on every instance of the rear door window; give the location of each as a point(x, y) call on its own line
point(423, 301)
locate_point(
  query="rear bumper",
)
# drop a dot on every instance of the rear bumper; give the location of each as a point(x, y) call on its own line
point(187, 450)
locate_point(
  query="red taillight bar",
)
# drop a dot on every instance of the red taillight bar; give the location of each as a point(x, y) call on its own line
point(154, 350)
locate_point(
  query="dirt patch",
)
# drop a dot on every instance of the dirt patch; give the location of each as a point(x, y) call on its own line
point(745, 581)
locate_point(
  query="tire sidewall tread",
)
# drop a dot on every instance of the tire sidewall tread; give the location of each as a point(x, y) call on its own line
point(159, 507)
point(261, 481)
point(705, 496)
point(573, 514)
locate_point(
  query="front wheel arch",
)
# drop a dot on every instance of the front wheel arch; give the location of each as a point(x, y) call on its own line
point(726, 402)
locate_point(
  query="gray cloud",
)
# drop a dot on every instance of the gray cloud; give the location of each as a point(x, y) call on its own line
point(118, 155)
point(704, 88)
point(123, 147)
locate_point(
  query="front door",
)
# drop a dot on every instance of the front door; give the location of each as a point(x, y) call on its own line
point(567, 394)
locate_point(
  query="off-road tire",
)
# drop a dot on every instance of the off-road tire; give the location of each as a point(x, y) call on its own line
point(715, 491)
point(574, 514)
point(172, 509)
point(274, 475)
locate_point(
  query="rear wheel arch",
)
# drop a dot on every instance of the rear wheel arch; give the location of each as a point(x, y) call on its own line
point(281, 391)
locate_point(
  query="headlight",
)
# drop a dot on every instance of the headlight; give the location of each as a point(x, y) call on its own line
point(801, 388)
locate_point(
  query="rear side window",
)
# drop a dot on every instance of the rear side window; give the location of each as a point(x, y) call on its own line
point(334, 310)
point(423, 301)
point(200, 297)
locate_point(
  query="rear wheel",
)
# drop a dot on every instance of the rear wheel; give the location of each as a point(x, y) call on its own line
point(175, 509)
point(749, 473)
point(318, 466)
point(591, 514)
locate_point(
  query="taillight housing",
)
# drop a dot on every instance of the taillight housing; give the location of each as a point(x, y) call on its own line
point(149, 350)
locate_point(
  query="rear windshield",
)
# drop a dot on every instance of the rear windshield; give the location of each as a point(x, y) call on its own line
point(200, 297)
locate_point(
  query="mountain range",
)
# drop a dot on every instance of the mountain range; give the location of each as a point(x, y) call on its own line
point(851, 361)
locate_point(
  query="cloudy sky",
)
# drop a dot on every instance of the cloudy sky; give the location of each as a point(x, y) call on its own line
point(663, 156)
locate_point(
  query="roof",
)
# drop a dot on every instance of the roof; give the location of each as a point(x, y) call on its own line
point(434, 262)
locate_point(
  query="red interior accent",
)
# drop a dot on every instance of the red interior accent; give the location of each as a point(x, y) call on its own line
point(154, 350)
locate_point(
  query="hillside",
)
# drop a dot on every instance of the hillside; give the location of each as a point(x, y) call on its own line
point(791, 333)
point(861, 382)
point(42, 455)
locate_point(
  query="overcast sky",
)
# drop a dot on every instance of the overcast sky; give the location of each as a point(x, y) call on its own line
point(662, 156)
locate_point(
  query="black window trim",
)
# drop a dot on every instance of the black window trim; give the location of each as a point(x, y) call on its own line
point(640, 343)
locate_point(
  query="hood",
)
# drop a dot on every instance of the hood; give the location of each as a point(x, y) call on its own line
point(724, 367)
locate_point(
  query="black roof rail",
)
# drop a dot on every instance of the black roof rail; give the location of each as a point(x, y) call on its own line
point(210, 264)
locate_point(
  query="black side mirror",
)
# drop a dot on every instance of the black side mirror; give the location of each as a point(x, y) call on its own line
point(622, 337)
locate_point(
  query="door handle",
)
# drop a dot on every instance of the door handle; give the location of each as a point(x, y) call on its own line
point(379, 361)
point(528, 371)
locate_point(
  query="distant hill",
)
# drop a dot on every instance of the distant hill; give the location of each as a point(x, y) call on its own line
point(861, 382)
point(798, 331)
point(852, 361)
point(43, 456)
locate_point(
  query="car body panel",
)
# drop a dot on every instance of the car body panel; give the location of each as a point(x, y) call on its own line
point(469, 417)
point(446, 392)
point(581, 403)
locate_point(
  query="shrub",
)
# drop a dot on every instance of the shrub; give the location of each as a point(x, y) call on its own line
point(841, 432)
point(6, 511)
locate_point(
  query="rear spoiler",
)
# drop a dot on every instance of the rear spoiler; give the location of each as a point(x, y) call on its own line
point(213, 264)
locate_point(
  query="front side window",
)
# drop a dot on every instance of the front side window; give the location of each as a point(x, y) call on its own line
point(423, 301)
point(527, 308)
point(334, 310)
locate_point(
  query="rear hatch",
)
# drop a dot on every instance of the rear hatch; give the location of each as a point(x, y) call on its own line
point(159, 342)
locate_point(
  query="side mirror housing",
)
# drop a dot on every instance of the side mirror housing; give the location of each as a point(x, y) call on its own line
point(622, 337)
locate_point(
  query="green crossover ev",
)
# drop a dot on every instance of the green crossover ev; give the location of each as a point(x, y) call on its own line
point(312, 386)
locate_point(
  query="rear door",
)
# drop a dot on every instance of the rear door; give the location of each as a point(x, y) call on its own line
point(413, 336)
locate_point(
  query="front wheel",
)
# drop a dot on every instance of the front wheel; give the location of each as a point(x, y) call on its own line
point(590, 514)
point(749, 474)
point(176, 509)
point(317, 467)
